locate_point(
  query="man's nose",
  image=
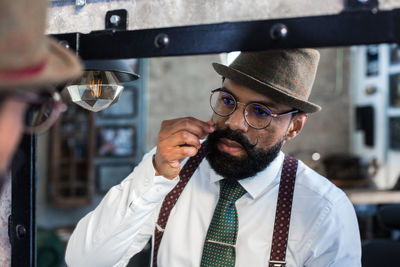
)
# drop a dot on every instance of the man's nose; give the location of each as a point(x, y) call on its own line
point(236, 120)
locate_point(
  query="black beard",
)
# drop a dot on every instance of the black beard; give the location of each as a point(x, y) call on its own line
point(236, 168)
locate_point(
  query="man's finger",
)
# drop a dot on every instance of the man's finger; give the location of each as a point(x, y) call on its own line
point(180, 138)
point(180, 153)
point(193, 125)
point(186, 151)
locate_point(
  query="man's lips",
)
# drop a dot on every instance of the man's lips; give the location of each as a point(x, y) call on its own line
point(230, 146)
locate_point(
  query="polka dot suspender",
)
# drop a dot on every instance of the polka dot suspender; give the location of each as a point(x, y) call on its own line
point(282, 216)
point(170, 200)
point(283, 211)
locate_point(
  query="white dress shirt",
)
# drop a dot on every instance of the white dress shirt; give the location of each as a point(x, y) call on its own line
point(323, 227)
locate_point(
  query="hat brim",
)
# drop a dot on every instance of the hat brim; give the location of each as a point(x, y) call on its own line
point(266, 89)
point(61, 65)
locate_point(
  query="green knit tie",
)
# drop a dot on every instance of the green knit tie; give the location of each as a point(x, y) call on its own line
point(219, 247)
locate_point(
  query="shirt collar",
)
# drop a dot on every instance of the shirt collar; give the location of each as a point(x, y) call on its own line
point(257, 184)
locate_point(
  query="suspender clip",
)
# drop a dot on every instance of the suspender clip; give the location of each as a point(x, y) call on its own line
point(159, 228)
point(277, 263)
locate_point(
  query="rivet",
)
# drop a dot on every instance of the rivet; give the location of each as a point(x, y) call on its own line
point(161, 40)
point(20, 231)
point(278, 31)
point(64, 43)
point(115, 19)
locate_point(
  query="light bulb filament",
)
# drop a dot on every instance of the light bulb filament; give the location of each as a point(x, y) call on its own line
point(95, 88)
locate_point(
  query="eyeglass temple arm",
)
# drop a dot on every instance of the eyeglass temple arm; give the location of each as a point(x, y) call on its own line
point(285, 113)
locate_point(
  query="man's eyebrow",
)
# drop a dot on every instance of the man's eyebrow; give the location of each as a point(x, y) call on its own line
point(229, 91)
point(265, 103)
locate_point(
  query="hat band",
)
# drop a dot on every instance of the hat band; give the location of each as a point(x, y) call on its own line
point(23, 73)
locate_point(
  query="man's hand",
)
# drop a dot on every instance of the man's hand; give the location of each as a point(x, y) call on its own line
point(177, 140)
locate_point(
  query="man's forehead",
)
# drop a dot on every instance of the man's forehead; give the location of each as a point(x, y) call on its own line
point(246, 94)
point(240, 89)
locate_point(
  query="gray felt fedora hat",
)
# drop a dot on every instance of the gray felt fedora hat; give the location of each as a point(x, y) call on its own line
point(28, 58)
point(286, 76)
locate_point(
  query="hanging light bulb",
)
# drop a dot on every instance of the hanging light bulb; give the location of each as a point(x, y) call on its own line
point(100, 85)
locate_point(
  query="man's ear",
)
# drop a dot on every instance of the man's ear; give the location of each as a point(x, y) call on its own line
point(296, 125)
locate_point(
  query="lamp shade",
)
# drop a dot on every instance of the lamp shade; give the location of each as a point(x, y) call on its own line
point(121, 68)
point(100, 85)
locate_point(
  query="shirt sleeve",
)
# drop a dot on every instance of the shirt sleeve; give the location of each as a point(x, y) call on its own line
point(123, 222)
point(335, 239)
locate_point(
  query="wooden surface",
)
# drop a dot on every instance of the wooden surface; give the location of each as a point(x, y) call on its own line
point(372, 196)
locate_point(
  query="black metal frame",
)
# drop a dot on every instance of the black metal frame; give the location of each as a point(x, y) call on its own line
point(346, 28)
point(356, 25)
point(22, 221)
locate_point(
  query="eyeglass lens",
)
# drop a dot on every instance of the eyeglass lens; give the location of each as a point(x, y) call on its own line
point(257, 115)
point(224, 104)
point(37, 114)
point(40, 117)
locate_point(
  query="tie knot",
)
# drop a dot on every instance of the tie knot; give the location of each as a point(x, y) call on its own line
point(231, 190)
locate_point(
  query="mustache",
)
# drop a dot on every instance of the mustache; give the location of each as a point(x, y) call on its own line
point(234, 135)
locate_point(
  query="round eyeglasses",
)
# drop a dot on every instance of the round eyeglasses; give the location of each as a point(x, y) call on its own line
point(257, 115)
point(43, 110)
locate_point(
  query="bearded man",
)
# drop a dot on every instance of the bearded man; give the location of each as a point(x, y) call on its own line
point(234, 199)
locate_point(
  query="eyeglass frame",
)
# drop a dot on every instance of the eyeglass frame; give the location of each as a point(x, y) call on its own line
point(31, 98)
point(273, 115)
